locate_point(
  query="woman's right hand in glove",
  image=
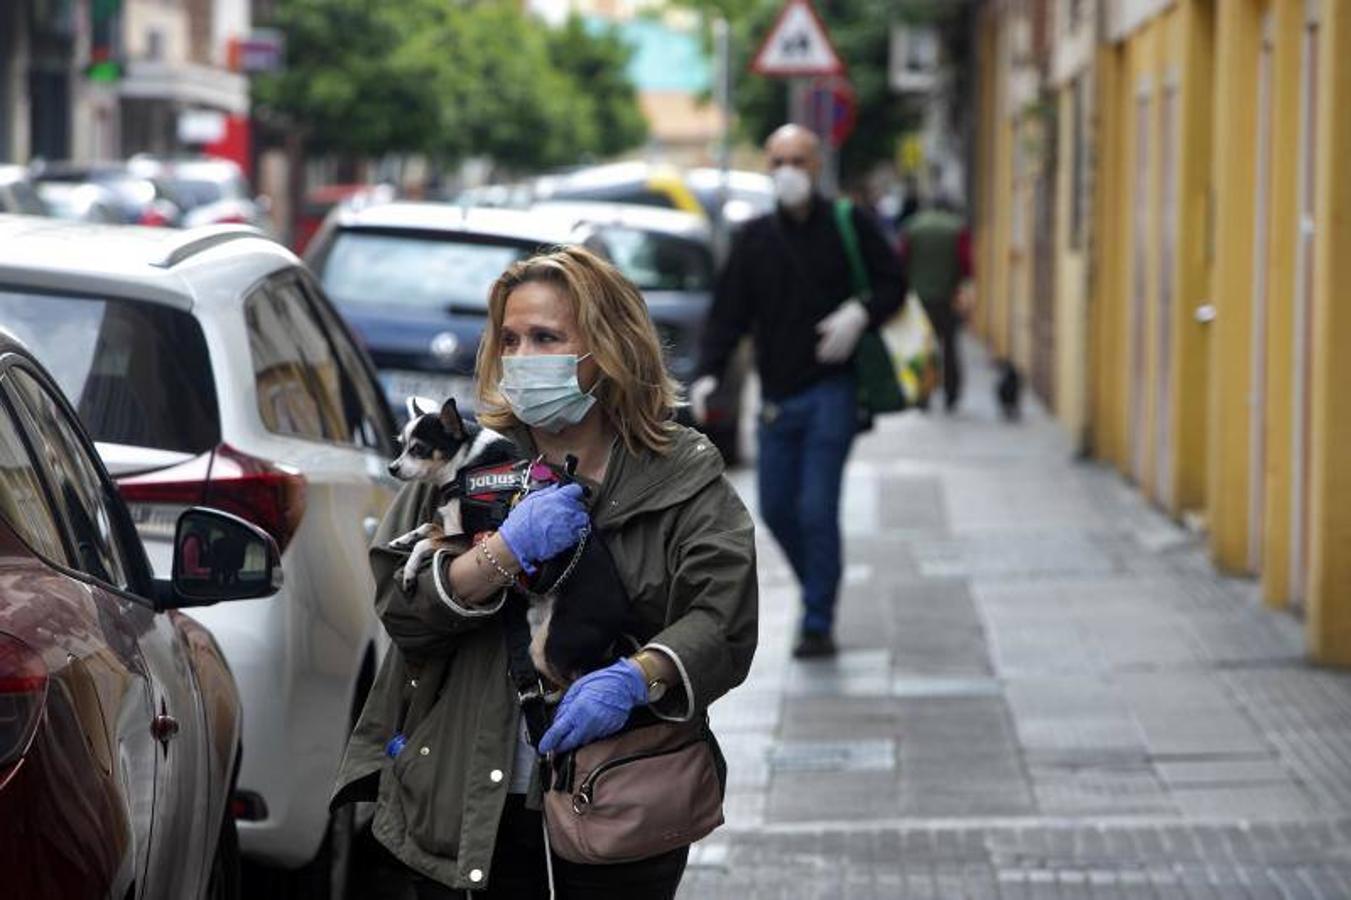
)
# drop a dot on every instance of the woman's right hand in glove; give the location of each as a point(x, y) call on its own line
point(544, 524)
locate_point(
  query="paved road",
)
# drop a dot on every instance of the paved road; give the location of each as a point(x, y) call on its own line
point(1044, 691)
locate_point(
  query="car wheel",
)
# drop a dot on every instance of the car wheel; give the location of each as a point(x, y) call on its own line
point(326, 877)
point(225, 875)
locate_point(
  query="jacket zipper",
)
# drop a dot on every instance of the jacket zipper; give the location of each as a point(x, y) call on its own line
point(588, 787)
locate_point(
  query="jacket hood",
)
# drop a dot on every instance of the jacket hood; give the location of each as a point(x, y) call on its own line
point(648, 482)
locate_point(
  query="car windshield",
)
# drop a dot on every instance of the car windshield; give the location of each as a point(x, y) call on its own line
point(414, 271)
point(130, 190)
point(26, 199)
point(197, 191)
point(70, 201)
point(137, 373)
point(658, 262)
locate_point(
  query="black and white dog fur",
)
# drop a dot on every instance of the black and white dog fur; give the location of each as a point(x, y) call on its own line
point(437, 447)
point(569, 638)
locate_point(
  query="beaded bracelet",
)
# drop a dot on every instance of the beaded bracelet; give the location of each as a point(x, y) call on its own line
point(492, 561)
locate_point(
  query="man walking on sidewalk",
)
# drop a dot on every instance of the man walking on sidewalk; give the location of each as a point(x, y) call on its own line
point(936, 249)
point(787, 282)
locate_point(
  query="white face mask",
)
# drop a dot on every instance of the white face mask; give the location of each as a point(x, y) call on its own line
point(543, 392)
point(792, 185)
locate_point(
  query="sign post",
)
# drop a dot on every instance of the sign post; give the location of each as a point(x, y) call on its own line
point(798, 48)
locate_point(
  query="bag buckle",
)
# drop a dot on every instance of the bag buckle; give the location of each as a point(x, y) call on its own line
point(531, 692)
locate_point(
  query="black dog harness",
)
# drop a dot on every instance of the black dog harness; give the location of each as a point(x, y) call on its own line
point(487, 495)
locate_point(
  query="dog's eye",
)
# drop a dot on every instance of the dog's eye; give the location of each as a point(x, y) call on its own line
point(419, 451)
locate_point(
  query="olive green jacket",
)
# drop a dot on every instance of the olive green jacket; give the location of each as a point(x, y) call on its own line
point(684, 546)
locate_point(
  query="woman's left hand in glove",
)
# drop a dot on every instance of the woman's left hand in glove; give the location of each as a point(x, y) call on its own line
point(596, 706)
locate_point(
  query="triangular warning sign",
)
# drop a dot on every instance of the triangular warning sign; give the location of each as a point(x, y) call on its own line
point(797, 45)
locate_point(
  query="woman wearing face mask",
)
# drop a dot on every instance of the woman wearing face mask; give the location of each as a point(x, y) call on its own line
point(569, 364)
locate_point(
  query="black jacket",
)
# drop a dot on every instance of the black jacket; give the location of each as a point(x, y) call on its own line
point(782, 278)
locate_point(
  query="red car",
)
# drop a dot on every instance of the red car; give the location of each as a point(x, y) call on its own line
point(119, 720)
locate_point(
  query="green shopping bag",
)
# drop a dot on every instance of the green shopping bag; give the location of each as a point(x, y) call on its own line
point(879, 387)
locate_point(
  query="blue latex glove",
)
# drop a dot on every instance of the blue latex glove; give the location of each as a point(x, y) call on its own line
point(596, 706)
point(544, 524)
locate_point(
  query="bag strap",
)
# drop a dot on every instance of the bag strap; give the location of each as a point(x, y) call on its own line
point(529, 686)
point(844, 221)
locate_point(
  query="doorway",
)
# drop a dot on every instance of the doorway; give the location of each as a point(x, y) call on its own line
point(1302, 356)
point(1168, 153)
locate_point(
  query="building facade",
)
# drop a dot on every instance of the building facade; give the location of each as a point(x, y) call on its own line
point(1202, 223)
point(88, 80)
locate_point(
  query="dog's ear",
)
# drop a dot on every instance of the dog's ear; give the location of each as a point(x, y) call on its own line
point(450, 418)
point(418, 406)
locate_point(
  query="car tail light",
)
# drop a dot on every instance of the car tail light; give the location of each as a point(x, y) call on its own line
point(153, 217)
point(268, 495)
point(264, 493)
point(156, 499)
point(23, 688)
point(247, 806)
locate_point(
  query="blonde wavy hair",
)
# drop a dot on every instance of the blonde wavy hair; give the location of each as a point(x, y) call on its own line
point(637, 394)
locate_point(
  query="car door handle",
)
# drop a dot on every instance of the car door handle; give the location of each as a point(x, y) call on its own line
point(164, 727)
point(370, 523)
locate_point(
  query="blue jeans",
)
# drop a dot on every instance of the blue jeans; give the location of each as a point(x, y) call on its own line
point(804, 443)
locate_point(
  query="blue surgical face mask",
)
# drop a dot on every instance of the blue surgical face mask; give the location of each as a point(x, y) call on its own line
point(542, 390)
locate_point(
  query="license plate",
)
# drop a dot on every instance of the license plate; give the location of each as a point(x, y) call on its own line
point(400, 385)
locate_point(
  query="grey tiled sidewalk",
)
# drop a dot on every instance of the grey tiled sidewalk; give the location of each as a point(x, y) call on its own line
point(1044, 691)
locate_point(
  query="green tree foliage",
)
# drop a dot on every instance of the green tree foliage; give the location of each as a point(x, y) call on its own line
point(342, 87)
point(597, 63)
point(367, 77)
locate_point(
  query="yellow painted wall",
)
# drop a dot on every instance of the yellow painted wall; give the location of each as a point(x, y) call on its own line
point(1108, 362)
point(1238, 24)
point(984, 176)
point(1288, 33)
point(1210, 51)
point(1071, 313)
point(993, 276)
point(1193, 256)
point(1329, 604)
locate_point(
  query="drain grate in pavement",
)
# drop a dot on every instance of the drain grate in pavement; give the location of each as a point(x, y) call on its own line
point(833, 756)
point(1019, 556)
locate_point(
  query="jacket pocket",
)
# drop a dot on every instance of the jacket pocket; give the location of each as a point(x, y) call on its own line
point(430, 781)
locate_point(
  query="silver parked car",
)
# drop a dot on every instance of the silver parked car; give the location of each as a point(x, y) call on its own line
point(209, 368)
point(17, 193)
point(212, 191)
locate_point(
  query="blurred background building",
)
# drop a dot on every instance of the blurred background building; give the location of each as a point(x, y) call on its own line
point(104, 79)
point(1163, 223)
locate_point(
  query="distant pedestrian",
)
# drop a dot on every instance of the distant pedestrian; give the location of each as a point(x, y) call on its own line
point(788, 283)
point(935, 246)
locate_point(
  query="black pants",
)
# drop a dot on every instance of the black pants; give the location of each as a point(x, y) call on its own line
point(518, 870)
point(947, 323)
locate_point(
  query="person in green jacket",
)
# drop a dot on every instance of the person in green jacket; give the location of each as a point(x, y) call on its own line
point(935, 246)
point(569, 364)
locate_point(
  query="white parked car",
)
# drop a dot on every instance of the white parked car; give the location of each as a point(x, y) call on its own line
point(212, 191)
point(209, 368)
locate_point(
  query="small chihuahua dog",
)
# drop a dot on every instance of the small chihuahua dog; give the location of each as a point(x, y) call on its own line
point(437, 447)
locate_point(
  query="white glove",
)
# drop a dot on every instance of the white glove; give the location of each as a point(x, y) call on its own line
point(840, 331)
point(702, 388)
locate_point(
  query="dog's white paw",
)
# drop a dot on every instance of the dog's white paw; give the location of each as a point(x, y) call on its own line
point(403, 542)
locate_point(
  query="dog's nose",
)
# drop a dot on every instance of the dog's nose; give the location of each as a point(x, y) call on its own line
point(394, 467)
